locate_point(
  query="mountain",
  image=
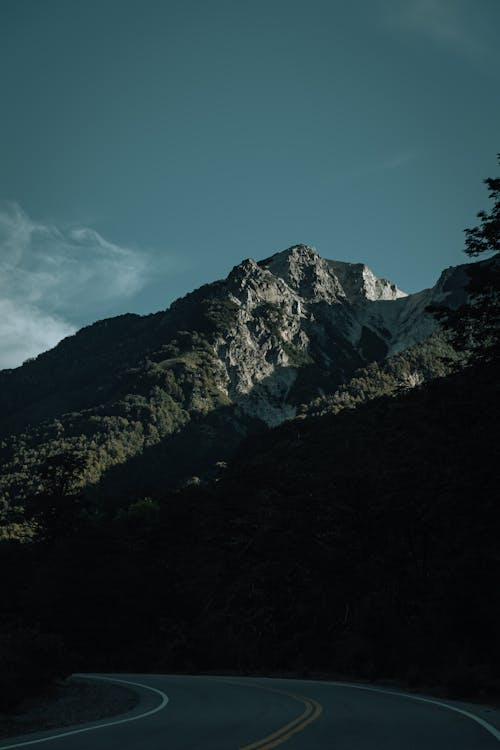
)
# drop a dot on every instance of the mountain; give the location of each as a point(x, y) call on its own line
point(346, 521)
point(148, 401)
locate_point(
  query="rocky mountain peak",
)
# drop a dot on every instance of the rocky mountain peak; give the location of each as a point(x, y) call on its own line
point(309, 276)
point(306, 273)
point(293, 308)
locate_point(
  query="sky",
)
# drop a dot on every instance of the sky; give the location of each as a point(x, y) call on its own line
point(147, 146)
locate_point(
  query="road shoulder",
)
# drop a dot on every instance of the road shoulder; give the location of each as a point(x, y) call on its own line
point(78, 700)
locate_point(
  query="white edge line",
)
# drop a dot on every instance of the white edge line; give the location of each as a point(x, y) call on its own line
point(489, 727)
point(164, 701)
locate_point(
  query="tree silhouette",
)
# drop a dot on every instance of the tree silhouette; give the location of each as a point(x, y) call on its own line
point(486, 237)
point(474, 326)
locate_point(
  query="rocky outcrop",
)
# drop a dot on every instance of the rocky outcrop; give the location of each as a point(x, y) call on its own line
point(359, 282)
point(296, 312)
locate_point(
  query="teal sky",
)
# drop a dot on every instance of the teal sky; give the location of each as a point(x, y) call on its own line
point(146, 147)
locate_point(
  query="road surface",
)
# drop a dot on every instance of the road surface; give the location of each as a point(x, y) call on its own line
point(243, 713)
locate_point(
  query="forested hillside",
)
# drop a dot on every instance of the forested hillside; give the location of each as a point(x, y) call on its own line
point(362, 543)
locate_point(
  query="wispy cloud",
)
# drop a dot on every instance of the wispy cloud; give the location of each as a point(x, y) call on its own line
point(444, 22)
point(53, 278)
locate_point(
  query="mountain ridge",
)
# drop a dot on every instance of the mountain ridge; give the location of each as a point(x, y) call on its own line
point(186, 384)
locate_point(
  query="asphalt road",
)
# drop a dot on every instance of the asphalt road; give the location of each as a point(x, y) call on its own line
point(225, 713)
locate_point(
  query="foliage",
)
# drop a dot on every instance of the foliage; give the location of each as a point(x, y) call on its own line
point(486, 237)
point(474, 327)
point(434, 358)
point(113, 391)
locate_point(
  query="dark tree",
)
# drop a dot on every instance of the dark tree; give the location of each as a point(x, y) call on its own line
point(486, 237)
point(474, 326)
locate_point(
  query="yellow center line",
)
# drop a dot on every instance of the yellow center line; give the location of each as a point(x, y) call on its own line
point(312, 712)
point(299, 728)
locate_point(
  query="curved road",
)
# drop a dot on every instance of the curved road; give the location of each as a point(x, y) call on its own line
point(240, 713)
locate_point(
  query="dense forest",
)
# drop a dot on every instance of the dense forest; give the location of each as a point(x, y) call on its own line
point(347, 544)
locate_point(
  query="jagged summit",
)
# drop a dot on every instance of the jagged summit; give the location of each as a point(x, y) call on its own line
point(306, 273)
point(299, 250)
point(315, 278)
point(295, 308)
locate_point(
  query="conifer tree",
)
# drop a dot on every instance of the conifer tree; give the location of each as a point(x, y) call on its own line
point(474, 326)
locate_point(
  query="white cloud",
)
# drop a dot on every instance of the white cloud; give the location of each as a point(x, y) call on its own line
point(25, 331)
point(52, 278)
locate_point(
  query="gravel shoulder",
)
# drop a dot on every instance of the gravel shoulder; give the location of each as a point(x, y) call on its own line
point(76, 701)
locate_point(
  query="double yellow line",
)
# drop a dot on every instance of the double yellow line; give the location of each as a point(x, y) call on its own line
point(311, 712)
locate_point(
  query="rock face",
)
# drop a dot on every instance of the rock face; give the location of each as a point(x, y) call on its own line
point(300, 317)
point(359, 282)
